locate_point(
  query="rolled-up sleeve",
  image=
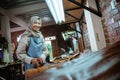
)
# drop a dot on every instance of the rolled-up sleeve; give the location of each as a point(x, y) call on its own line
point(21, 50)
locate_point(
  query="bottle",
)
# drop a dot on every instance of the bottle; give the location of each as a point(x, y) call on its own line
point(6, 58)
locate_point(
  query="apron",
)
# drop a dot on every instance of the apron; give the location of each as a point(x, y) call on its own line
point(34, 50)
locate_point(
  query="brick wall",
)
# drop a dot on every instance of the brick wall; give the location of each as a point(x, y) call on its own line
point(111, 20)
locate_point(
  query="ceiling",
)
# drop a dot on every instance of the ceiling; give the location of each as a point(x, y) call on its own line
point(19, 10)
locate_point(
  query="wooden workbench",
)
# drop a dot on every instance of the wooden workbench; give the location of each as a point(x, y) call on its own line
point(58, 61)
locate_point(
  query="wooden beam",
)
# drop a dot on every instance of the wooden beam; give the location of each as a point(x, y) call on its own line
point(71, 15)
point(18, 21)
point(73, 9)
point(97, 5)
point(87, 8)
point(25, 9)
point(18, 3)
point(82, 2)
point(17, 29)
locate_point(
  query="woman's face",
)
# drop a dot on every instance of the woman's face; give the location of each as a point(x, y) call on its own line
point(36, 25)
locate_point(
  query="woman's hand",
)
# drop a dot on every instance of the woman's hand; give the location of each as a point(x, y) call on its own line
point(40, 61)
point(37, 62)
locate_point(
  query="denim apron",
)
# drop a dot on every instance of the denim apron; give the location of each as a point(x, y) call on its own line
point(34, 50)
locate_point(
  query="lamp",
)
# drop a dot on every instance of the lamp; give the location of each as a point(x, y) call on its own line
point(56, 8)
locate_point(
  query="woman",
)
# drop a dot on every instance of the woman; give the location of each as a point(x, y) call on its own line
point(32, 49)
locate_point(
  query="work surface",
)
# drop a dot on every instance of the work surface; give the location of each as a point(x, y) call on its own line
point(89, 66)
point(58, 61)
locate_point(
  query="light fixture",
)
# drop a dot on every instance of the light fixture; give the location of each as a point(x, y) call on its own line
point(56, 8)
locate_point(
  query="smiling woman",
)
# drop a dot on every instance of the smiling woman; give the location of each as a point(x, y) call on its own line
point(36, 26)
point(32, 49)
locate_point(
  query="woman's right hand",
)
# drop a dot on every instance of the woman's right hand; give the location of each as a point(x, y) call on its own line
point(35, 62)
